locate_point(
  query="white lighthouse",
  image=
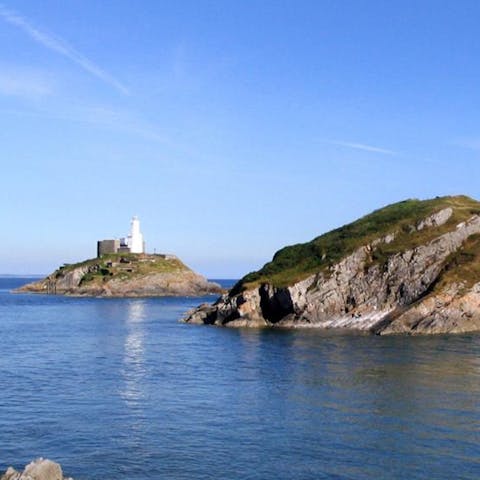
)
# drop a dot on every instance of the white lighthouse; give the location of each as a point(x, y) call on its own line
point(133, 243)
point(135, 238)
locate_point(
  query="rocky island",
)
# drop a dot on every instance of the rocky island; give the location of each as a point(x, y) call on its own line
point(412, 267)
point(125, 275)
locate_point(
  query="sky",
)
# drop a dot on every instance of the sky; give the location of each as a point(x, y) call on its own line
point(231, 128)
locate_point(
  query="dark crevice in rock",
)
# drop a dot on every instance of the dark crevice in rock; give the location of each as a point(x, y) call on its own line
point(350, 303)
point(210, 317)
point(275, 304)
point(234, 315)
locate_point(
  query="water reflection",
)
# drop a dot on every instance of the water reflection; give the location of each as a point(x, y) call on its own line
point(133, 371)
point(399, 394)
point(250, 340)
point(138, 395)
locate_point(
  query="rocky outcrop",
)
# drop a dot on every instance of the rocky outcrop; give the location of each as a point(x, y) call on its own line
point(40, 469)
point(435, 220)
point(404, 292)
point(454, 310)
point(125, 276)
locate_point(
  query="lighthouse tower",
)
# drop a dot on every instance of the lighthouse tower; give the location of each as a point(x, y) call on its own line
point(135, 238)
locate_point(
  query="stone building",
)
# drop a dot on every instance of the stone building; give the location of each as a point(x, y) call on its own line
point(133, 243)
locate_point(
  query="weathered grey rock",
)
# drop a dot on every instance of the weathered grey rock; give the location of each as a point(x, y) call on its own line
point(356, 293)
point(40, 469)
point(453, 311)
point(435, 220)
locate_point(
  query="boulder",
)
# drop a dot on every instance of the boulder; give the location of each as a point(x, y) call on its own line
point(39, 469)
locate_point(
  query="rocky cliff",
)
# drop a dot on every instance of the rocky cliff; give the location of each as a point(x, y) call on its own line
point(125, 275)
point(412, 267)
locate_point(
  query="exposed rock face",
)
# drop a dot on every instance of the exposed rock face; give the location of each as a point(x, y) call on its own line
point(435, 220)
point(40, 469)
point(125, 276)
point(401, 294)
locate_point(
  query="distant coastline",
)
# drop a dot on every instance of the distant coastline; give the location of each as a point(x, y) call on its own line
point(26, 275)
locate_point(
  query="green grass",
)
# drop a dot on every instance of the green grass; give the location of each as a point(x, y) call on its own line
point(296, 262)
point(109, 266)
point(462, 266)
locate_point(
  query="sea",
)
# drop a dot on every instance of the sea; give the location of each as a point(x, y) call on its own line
point(120, 389)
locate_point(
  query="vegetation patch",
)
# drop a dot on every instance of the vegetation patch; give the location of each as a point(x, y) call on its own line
point(462, 266)
point(294, 263)
point(124, 267)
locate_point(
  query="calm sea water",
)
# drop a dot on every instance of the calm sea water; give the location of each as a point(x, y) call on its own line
point(118, 388)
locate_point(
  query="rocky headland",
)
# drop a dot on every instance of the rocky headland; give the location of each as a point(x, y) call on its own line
point(125, 275)
point(412, 267)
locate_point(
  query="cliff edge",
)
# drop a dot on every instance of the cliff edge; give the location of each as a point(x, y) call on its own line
point(412, 267)
point(125, 275)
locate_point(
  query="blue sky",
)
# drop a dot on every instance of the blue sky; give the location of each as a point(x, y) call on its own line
point(231, 128)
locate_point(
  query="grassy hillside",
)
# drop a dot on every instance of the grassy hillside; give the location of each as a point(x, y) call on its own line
point(124, 266)
point(293, 263)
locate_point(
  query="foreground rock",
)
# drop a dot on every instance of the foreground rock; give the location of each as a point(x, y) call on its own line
point(412, 267)
point(40, 469)
point(125, 275)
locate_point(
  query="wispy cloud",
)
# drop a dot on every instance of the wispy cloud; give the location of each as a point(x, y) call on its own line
point(126, 124)
point(361, 146)
point(103, 117)
point(61, 47)
point(25, 82)
point(122, 121)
